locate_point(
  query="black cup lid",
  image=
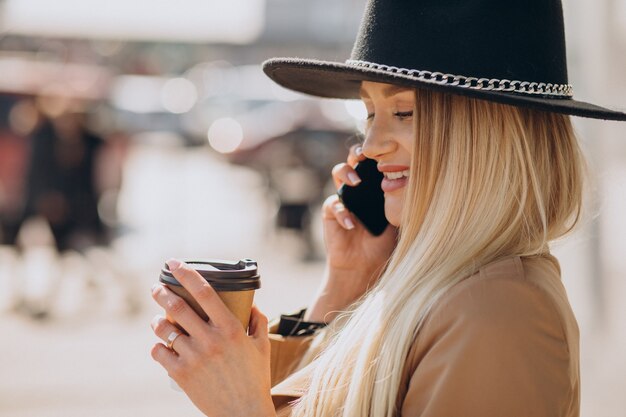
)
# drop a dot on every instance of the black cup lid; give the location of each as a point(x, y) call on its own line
point(230, 275)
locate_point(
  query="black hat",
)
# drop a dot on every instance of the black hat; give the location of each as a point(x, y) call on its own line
point(507, 52)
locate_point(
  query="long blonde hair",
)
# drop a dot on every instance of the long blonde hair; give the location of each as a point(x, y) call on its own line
point(487, 181)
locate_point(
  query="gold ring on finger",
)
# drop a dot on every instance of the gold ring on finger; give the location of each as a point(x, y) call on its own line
point(170, 340)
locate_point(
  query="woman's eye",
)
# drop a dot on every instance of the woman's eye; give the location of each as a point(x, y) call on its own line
point(403, 114)
point(399, 114)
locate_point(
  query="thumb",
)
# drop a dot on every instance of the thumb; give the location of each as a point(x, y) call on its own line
point(259, 329)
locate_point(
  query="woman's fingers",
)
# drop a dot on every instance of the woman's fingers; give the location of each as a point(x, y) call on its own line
point(166, 331)
point(205, 295)
point(259, 330)
point(333, 208)
point(166, 357)
point(178, 310)
point(343, 173)
point(355, 155)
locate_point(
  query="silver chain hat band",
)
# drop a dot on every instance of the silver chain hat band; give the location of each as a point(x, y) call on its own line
point(486, 84)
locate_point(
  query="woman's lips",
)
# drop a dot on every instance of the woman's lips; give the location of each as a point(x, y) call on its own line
point(389, 185)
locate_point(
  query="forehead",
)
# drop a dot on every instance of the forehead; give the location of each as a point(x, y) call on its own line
point(369, 89)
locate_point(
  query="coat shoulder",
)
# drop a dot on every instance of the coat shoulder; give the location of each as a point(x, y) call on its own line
point(503, 341)
point(510, 298)
point(509, 289)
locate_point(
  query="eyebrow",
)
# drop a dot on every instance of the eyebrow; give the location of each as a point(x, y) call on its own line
point(388, 91)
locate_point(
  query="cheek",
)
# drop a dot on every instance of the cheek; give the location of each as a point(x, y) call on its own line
point(405, 135)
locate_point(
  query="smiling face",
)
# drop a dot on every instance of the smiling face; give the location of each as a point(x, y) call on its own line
point(389, 138)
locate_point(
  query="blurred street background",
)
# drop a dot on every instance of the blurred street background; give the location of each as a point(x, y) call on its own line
point(135, 131)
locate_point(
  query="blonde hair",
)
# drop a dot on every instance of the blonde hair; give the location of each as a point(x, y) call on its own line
point(487, 181)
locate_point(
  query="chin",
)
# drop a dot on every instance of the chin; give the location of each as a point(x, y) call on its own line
point(393, 215)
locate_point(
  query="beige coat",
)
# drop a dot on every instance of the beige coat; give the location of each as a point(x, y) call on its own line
point(503, 342)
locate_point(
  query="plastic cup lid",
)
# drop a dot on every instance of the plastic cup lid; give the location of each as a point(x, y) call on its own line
point(222, 275)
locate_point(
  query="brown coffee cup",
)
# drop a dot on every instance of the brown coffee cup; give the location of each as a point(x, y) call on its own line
point(234, 282)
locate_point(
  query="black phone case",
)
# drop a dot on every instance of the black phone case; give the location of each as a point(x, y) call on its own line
point(366, 200)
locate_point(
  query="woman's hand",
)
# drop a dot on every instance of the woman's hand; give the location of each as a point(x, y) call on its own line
point(224, 371)
point(355, 258)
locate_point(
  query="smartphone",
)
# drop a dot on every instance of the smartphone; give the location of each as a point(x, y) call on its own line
point(367, 200)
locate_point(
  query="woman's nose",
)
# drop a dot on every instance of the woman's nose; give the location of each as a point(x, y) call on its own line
point(378, 142)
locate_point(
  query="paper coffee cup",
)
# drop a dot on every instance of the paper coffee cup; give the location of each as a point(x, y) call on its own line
point(234, 282)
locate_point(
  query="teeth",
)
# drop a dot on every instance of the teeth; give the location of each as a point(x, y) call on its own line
point(397, 175)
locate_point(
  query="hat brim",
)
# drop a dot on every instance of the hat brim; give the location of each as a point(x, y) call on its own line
point(338, 80)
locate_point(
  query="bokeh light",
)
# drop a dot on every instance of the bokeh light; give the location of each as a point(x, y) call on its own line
point(178, 95)
point(356, 109)
point(225, 135)
point(138, 94)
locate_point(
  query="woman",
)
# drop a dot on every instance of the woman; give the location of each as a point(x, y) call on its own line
point(458, 308)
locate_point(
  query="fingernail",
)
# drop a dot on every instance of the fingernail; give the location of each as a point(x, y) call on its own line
point(348, 222)
point(173, 264)
point(155, 287)
point(354, 178)
point(156, 320)
point(358, 151)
